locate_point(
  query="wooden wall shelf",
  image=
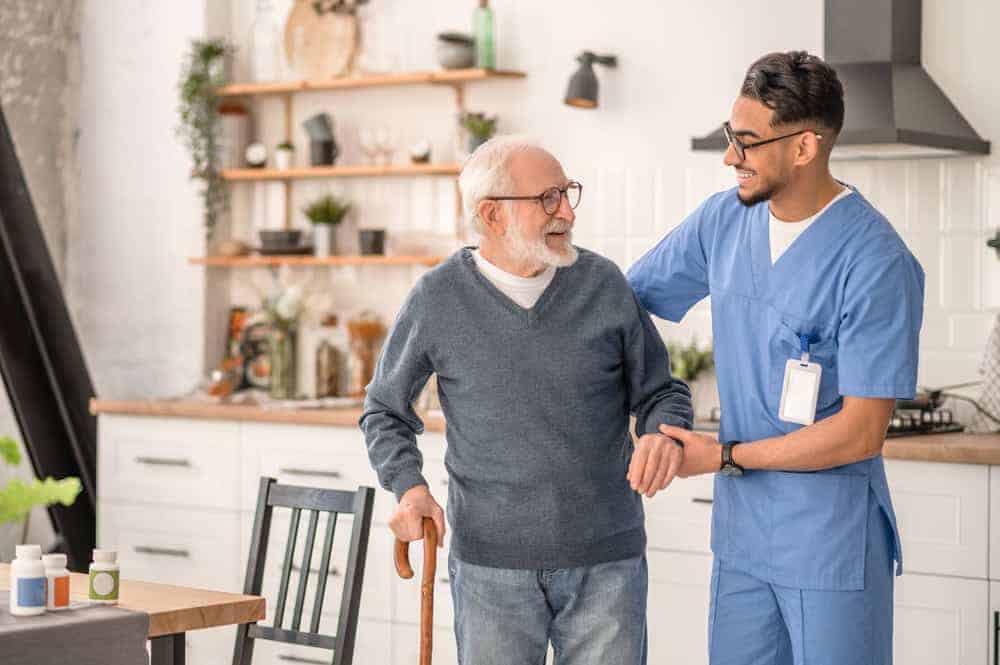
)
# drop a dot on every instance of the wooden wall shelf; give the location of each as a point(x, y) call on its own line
point(392, 170)
point(443, 77)
point(257, 261)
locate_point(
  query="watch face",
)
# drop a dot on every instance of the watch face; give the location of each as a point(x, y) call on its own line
point(731, 470)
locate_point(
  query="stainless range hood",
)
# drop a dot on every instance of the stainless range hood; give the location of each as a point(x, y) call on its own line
point(893, 108)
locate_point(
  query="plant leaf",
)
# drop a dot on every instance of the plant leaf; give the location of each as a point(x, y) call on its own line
point(9, 451)
point(18, 498)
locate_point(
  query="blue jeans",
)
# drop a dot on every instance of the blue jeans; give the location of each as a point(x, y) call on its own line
point(594, 615)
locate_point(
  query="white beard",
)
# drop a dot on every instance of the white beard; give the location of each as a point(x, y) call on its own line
point(525, 251)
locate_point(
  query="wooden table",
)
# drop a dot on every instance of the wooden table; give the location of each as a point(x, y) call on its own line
point(172, 610)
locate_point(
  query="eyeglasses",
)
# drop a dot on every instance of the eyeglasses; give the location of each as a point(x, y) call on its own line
point(551, 198)
point(742, 147)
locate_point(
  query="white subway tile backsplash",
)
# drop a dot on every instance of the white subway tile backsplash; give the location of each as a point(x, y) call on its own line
point(960, 269)
point(889, 193)
point(961, 195)
point(926, 201)
point(969, 332)
point(943, 368)
point(936, 331)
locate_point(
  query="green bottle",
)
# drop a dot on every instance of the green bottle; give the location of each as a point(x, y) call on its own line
point(486, 55)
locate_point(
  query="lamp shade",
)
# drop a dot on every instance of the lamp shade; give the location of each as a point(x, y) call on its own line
point(582, 89)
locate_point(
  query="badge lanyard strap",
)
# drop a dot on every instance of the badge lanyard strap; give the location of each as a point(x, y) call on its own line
point(804, 342)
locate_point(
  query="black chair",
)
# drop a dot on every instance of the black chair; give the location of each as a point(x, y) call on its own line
point(314, 501)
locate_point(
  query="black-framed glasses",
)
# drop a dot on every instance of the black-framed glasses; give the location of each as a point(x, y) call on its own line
point(742, 147)
point(551, 198)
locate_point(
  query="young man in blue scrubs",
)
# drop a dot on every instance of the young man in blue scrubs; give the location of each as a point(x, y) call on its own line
point(816, 312)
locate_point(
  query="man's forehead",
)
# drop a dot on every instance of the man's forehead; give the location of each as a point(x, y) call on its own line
point(535, 165)
point(750, 117)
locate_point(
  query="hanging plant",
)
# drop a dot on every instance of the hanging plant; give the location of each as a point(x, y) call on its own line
point(203, 73)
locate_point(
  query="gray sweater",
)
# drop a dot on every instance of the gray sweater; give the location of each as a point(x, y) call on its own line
point(537, 405)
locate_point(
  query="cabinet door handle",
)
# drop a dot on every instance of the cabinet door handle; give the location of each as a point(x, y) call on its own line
point(162, 551)
point(317, 473)
point(444, 580)
point(996, 638)
point(699, 499)
point(300, 659)
point(163, 461)
point(333, 572)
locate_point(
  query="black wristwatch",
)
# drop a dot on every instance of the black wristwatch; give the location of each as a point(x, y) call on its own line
point(729, 467)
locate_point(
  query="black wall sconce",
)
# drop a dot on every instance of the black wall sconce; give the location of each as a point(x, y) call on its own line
point(995, 243)
point(582, 90)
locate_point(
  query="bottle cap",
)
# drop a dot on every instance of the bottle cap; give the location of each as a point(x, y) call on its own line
point(28, 551)
point(54, 560)
point(105, 556)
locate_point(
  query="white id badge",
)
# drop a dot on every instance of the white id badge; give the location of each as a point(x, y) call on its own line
point(800, 391)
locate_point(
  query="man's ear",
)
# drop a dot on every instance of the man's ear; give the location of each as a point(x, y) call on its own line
point(809, 148)
point(489, 214)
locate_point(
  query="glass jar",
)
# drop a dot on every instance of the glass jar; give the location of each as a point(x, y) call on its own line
point(281, 341)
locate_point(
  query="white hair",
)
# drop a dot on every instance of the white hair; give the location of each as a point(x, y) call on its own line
point(487, 173)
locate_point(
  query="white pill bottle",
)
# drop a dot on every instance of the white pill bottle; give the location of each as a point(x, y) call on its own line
point(27, 582)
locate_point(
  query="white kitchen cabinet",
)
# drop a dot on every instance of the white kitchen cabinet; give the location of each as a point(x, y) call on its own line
point(172, 545)
point(941, 621)
point(678, 607)
point(994, 565)
point(993, 624)
point(169, 461)
point(680, 517)
point(943, 515)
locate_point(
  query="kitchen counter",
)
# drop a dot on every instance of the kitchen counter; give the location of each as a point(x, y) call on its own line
point(958, 448)
point(164, 408)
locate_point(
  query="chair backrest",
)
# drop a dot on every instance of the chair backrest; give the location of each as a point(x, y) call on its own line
point(313, 501)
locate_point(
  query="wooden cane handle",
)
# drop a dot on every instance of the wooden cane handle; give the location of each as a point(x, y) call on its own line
point(405, 570)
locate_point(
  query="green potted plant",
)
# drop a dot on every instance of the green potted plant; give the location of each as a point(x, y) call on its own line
point(480, 127)
point(18, 497)
point(205, 70)
point(283, 155)
point(326, 213)
point(692, 364)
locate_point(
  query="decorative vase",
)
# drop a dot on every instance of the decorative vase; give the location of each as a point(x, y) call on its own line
point(266, 58)
point(476, 141)
point(324, 239)
point(281, 346)
point(372, 241)
point(283, 159)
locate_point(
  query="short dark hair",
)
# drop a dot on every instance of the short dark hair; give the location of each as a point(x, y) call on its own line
point(797, 86)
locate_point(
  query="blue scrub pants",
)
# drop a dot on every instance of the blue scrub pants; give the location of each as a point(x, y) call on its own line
point(752, 622)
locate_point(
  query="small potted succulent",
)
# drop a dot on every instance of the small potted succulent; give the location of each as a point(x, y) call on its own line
point(480, 127)
point(326, 213)
point(283, 155)
point(692, 364)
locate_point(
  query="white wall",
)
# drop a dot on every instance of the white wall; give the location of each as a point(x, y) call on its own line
point(139, 304)
point(138, 307)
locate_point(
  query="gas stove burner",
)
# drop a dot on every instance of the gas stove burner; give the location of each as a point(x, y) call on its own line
point(921, 416)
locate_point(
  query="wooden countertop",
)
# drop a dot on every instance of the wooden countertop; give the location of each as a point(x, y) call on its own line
point(346, 417)
point(171, 609)
point(959, 448)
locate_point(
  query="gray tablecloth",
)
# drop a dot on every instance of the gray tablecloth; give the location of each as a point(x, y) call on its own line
point(84, 635)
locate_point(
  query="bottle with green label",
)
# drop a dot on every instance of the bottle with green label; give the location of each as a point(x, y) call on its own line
point(104, 577)
point(486, 55)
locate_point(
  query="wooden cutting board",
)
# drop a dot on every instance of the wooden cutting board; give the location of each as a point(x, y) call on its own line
point(320, 45)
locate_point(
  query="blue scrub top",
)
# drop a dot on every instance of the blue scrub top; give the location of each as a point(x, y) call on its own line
point(848, 281)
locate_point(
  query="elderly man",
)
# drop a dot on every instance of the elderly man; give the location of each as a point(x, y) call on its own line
point(541, 352)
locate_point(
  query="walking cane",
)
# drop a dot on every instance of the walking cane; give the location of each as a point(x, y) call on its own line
point(426, 586)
